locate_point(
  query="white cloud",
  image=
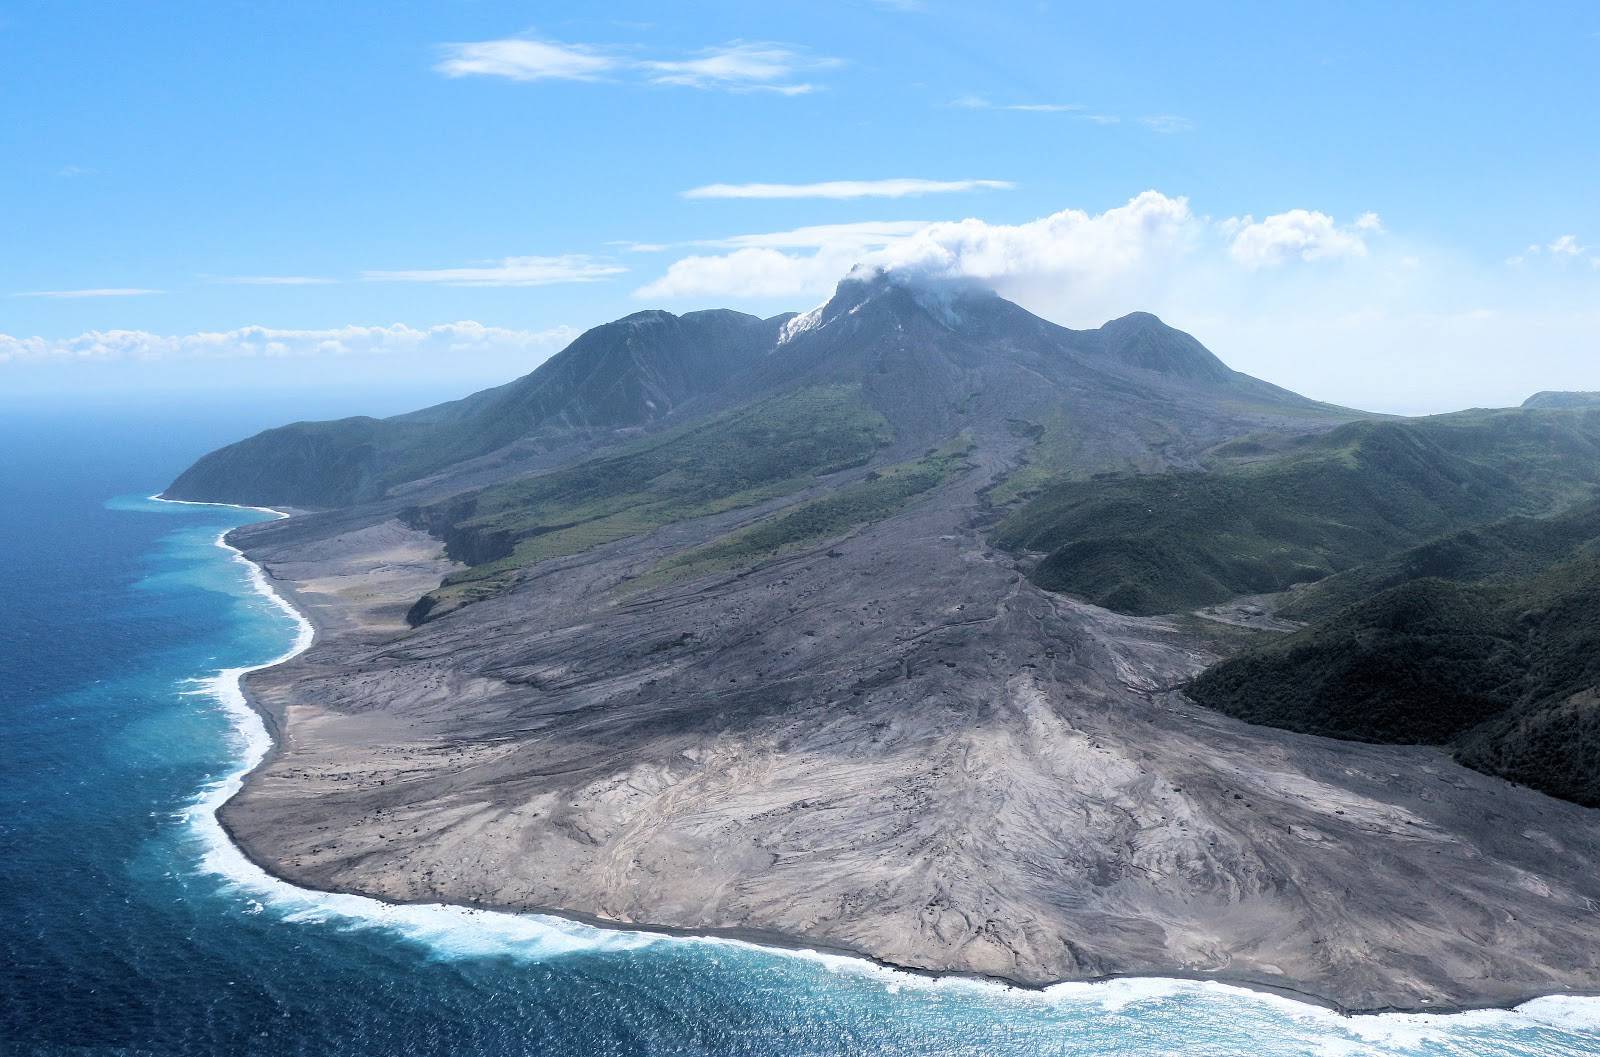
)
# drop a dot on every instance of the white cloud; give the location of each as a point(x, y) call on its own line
point(1561, 250)
point(738, 66)
point(445, 340)
point(1520, 259)
point(1566, 246)
point(1132, 245)
point(106, 291)
point(741, 66)
point(894, 188)
point(272, 280)
point(754, 272)
point(1300, 234)
point(1075, 110)
point(510, 271)
point(978, 102)
point(1167, 123)
point(525, 60)
point(758, 267)
point(1072, 246)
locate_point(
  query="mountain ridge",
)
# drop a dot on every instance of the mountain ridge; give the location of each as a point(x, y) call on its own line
point(651, 366)
point(609, 378)
point(1564, 400)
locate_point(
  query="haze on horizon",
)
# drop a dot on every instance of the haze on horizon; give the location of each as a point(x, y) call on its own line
point(1331, 200)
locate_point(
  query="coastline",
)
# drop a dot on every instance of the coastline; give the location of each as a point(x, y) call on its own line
point(543, 932)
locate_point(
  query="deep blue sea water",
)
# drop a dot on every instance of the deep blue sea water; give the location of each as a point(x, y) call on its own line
point(126, 927)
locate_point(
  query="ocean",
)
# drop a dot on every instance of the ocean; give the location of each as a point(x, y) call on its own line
point(129, 926)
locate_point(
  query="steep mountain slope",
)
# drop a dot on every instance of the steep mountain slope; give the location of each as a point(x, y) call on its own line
point(927, 364)
point(629, 373)
point(1142, 340)
point(936, 359)
point(1566, 401)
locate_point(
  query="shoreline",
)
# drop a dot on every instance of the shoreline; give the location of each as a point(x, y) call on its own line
point(229, 858)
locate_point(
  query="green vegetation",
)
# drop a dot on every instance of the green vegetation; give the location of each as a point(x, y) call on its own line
point(1419, 663)
point(1487, 640)
point(878, 495)
point(306, 464)
point(1452, 567)
point(1057, 454)
point(765, 450)
point(1274, 513)
point(1553, 748)
point(1517, 547)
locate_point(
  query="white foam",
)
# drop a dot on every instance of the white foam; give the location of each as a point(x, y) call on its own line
point(1568, 1012)
point(454, 931)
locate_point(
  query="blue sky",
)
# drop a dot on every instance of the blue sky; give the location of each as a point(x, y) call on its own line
point(1388, 205)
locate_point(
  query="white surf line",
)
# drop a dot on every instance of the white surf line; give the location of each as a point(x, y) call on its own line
point(448, 929)
point(457, 931)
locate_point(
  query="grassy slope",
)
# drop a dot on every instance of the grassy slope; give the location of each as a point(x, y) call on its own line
point(1058, 453)
point(1266, 519)
point(872, 499)
point(760, 452)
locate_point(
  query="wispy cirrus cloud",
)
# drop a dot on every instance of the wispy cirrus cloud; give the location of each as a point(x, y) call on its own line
point(861, 234)
point(103, 291)
point(271, 280)
point(1167, 124)
point(978, 102)
point(839, 189)
point(737, 66)
point(1075, 111)
point(742, 67)
point(509, 271)
point(525, 59)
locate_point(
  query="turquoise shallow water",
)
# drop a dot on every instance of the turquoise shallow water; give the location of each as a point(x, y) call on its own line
point(127, 926)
